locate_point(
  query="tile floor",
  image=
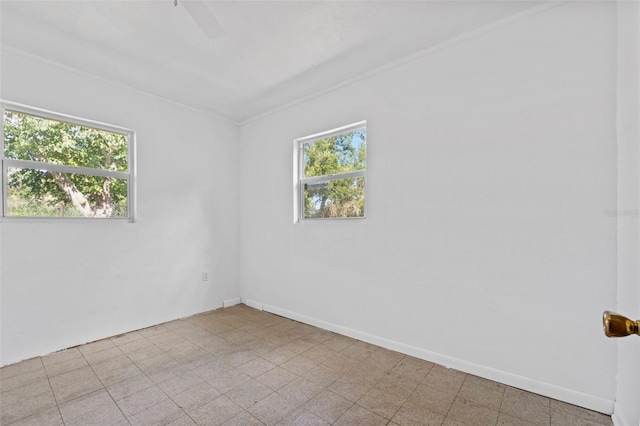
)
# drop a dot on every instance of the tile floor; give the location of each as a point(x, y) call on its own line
point(240, 366)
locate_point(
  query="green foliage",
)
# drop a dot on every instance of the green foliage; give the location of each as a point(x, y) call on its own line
point(34, 192)
point(333, 155)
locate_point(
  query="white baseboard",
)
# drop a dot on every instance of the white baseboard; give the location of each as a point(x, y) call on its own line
point(581, 399)
point(255, 305)
point(231, 302)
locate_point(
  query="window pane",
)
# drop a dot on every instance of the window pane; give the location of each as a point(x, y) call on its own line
point(336, 154)
point(41, 193)
point(27, 137)
point(337, 198)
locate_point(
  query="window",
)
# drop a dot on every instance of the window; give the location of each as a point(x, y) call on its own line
point(331, 173)
point(56, 166)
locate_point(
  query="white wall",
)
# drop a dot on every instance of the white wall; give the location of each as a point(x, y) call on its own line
point(64, 284)
point(486, 246)
point(627, 408)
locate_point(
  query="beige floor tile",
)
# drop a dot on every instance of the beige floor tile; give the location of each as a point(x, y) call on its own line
point(358, 416)
point(73, 384)
point(359, 350)
point(129, 386)
point(61, 356)
point(183, 420)
point(160, 361)
point(107, 364)
point(299, 365)
point(64, 367)
point(196, 397)
point(137, 345)
point(127, 338)
point(243, 419)
point(319, 354)
point(167, 341)
point(481, 395)
point(84, 404)
point(451, 422)
point(148, 350)
point(273, 408)
point(249, 341)
point(48, 417)
point(21, 368)
point(117, 375)
point(154, 330)
point(302, 417)
point(256, 367)
point(338, 343)
point(563, 418)
point(277, 378)
point(437, 368)
point(25, 401)
point(507, 420)
point(211, 343)
point(412, 367)
point(237, 358)
point(526, 406)
point(94, 409)
point(582, 413)
point(443, 382)
point(97, 346)
point(402, 386)
point(225, 351)
point(228, 380)
point(328, 406)
point(432, 399)
point(180, 383)
point(141, 400)
point(212, 369)
point(386, 358)
point(163, 413)
point(415, 415)
point(98, 356)
point(162, 373)
point(367, 371)
point(19, 380)
point(298, 346)
point(279, 355)
point(187, 352)
point(266, 364)
point(363, 373)
point(322, 375)
point(259, 344)
point(342, 363)
point(300, 390)
point(195, 359)
point(249, 393)
point(382, 403)
point(490, 384)
point(472, 414)
point(350, 390)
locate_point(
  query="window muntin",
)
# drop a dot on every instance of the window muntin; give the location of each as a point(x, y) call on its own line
point(56, 166)
point(332, 171)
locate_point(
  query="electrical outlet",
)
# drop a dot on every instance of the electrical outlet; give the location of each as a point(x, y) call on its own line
point(205, 276)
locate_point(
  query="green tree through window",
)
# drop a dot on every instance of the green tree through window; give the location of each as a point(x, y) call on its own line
point(61, 169)
point(333, 181)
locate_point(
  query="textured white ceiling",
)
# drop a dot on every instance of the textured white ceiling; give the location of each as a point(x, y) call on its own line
point(271, 53)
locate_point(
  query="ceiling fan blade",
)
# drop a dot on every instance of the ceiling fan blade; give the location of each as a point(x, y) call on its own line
point(204, 18)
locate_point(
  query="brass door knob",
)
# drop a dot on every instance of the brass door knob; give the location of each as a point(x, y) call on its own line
point(615, 325)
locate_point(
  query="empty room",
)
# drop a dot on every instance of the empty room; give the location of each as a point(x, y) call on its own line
point(320, 213)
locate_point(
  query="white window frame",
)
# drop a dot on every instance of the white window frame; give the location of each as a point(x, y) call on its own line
point(300, 180)
point(129, 175)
